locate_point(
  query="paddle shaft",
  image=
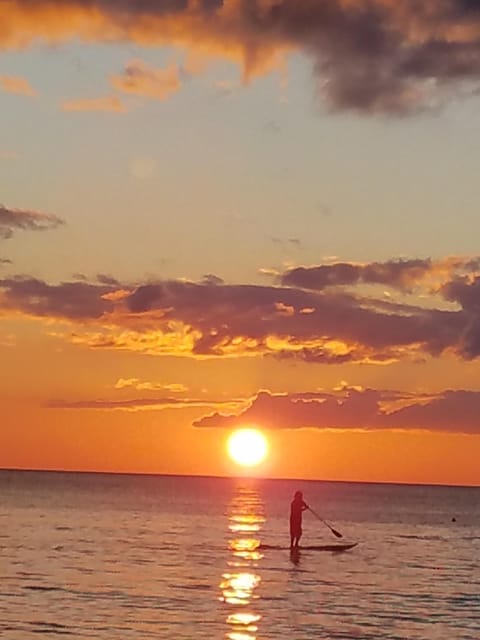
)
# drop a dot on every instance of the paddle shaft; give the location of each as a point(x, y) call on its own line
point(334, 531)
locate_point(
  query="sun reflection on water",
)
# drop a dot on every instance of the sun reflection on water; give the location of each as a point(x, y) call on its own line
point(240, 582)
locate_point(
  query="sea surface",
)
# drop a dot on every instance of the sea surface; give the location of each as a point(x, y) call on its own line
point(115, 557)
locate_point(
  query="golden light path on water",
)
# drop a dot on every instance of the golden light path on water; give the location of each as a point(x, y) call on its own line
point(240, 582)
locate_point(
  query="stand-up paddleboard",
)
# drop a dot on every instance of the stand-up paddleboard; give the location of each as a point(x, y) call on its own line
point(316, 547)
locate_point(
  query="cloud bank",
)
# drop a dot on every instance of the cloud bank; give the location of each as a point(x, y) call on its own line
point(358, 409)
point(371, 56)
point(327, 317)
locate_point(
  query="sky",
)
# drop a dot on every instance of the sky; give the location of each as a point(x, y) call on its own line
point(217, 214)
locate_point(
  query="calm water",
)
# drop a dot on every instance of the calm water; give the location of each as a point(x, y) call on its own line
point(114, 557)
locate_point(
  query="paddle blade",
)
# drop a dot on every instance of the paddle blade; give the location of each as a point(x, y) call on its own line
point(336, 533)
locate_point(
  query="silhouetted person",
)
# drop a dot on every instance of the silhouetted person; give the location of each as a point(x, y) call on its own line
point(296, 509)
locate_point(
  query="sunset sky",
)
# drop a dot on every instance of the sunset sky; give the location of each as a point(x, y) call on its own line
point(226, 213)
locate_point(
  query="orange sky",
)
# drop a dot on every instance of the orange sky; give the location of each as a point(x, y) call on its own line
point(251, 213)
point(163, 440)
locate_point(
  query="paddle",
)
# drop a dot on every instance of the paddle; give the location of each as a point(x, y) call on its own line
point(334, 531)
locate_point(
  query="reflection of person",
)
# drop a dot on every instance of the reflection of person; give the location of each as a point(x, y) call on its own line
point(296, 508)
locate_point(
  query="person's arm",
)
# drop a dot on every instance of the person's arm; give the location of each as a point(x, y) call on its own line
point(305, 506)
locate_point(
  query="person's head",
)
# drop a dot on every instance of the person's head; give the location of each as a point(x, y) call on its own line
point(298, 495)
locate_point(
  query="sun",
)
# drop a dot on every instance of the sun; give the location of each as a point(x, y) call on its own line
point(247, 447)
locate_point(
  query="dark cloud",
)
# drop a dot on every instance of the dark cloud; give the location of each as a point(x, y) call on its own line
point(106, 279)
point(315, 321)
point(149, 7)
point(232, 314)
point(403, 275)
point(466, 292)
point(212, 279)
point(13, 219)
point(372, 56)
point(365, 409)
point(76, 301)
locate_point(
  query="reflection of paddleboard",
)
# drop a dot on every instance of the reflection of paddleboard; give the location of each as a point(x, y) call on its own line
point(318, 547)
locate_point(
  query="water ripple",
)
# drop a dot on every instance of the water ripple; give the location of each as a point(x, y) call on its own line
point(155, 558)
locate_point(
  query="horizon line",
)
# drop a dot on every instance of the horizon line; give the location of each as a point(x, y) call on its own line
point(238, 477)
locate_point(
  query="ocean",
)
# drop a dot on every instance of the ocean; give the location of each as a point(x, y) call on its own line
point(115, 557)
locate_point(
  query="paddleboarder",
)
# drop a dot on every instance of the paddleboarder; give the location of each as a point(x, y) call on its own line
point(297, 507)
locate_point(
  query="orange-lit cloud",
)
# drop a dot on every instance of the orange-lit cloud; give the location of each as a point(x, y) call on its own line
point(332, 325)
point(17, 85)
point(372, 56)
point(145, 385)
point(15, 219)
point(112, 104)
point(366, 409)
point(141, 80)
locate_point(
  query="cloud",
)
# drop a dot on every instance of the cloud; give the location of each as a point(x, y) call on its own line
point(141, 80)
point(325, 326)
point(139, 385)
point(358, 409)
point(465, 291)
point(287, 243)
point(74, 301)
point(331, 324)
point(103, 278)
point(403, 275)
point(138, 404)
point(17, 85)
point(27, 220)
point(112, 104)
point(371, 56)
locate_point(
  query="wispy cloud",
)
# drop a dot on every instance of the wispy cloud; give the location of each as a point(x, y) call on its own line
point(111, 104)
point(26, 220)
point(17, 85)
point(141, 80)
point(454, 411)
point(141, 404)
point(145, 385)
point(370, 56)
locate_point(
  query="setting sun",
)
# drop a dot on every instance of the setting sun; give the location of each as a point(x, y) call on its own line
point(247, 447)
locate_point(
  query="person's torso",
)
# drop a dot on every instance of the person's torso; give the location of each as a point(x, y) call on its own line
point(296, 510)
